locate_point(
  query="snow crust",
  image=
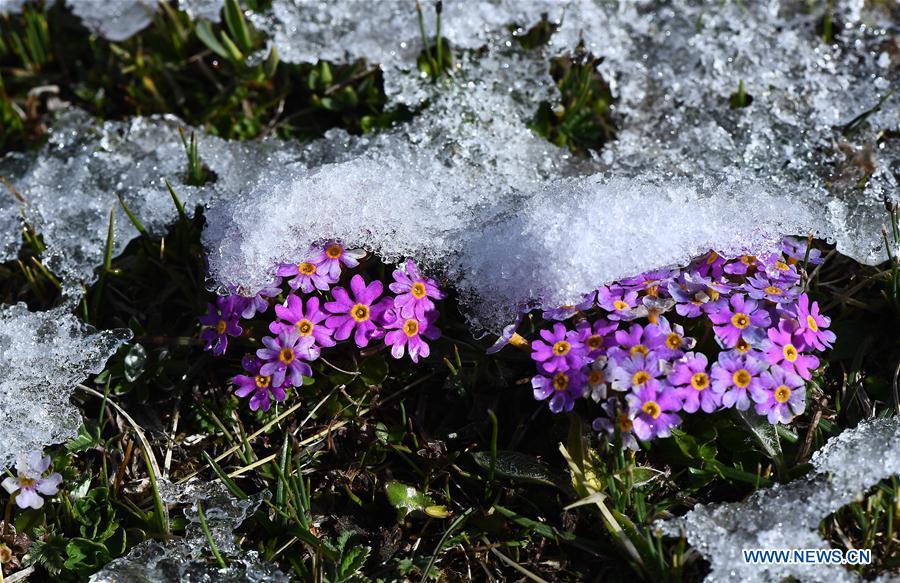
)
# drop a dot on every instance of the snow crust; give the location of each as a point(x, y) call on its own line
point(43, 355)
point(184, 559)
point(788, 516)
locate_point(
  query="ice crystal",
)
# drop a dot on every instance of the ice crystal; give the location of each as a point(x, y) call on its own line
point(787, 516)
point(43, 355)
point(183, 559)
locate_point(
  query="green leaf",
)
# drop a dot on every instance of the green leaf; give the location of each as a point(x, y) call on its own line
point(88, 437)
point(208, 37)
point(237, 26)
point(516, 466)
point(50, 554)
point(765, 433)
point(135, 361)
point(85, 556)
point(406, 499)
point(351, 563)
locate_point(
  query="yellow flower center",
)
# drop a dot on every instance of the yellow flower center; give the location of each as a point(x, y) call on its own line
point(653, 290)
point(790, 353)
point(673, 341)
point(625, 423)
point(651, 408)
point(748, 259)
point(713, 294)
point(812, 324)
point(781, 265)
point(742, 378)
point(773, 290)
point(286, 355)
point(418, 290)
point(306, 268)
point(742, 346)
point(334, 251)
point(782, 394)
point(639, 348)
point(26, 482)
point(700, 381)
point(560, 381)
point(360, 312)
point(411, 327)
point(561, 348)
point(740, 320)
point(305, 327)
point(262, 382)
point(620, 305)
point(221, 326)
point(640, 377)
point(712, 257)
point(594, 342)
point(595, 377)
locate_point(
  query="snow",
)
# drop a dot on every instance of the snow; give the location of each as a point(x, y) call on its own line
point(114, 20)
point(185, 559)
point(43, 355)
point(788, 516)
point(72, 183)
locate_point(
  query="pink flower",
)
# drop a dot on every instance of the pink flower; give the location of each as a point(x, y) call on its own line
point(690, 376)
point(307, 276)
point(31, 482)
point(283, 357)
point(307, 322)
point(653, 408)
point(734, 376)
point(562, 388)
point(258, 385)
point(780, 396)
point(330, 258)
point(781, 350)
point(415, 292)
point(358, 316)
point(411, 332)
point(812, 325)
point(560, 350)
point(736, 318)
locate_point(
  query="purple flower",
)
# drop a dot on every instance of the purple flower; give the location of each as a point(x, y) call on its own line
point(403, 332)
point(259, 385)
point(414, 292)
point(221, 321)
point(331, 257)
point(741, 265)
point(306, 323)
point(674, 342)
point(360, 314)
point(638, 340)
point(653, 408)
point(616, 419)
point(260, 302)
point(620, 303)
point(566, 312)
point(733, 319)
point(782, 351)
point(812, 325)
point(507, 333)
point(563, 388)
point(283, 357)
point(780, 271)
point(596, 337)
point(650, 280)
point(796, 251)
point(690, 376)
point(780, 397)
point(734, 376)
point(711, 266)
point(560, 350)
point(597, 379)
point(689, 297)
point(31, 482)
point(761, 287)
point(635, 371)
point(307, 276)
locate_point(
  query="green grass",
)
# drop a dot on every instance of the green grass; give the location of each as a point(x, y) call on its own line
point(379, 470)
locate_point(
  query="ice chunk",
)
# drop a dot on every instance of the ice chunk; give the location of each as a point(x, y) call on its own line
point(43, 355)
point(788, 516)
point(114, 20)
point(208, 9)
point(72, 183)
point(182, 559)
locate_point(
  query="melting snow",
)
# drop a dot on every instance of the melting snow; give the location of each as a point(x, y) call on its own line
point(788, 516)
point(184, 559)
point(43, 355)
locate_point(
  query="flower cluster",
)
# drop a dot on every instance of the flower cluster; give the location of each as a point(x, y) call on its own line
point(314, 313)
point(633, 346)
